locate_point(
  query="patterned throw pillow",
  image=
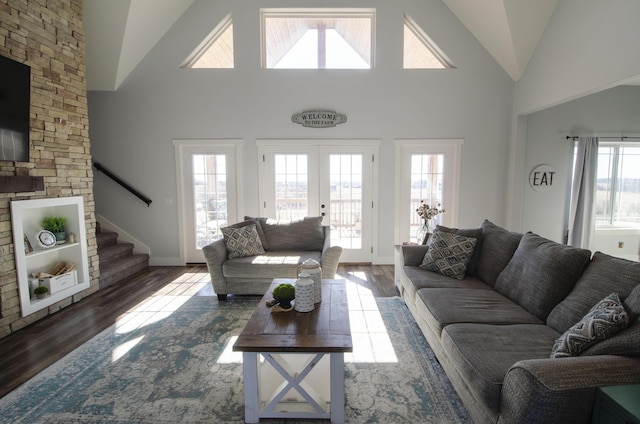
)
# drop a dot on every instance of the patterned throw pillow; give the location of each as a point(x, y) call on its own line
point(606, 318)
point(449, 254)
point(243, 241)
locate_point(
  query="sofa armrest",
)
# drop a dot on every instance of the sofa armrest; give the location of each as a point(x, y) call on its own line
point(215, 254)
point(330, 261)
point(412, 254)
point(561, 390)
point(330, 255)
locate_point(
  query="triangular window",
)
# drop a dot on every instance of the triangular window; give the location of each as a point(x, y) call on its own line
point(419, 51)
point(216, 51)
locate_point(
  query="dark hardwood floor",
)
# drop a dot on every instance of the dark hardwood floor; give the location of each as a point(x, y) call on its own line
point(30, 350)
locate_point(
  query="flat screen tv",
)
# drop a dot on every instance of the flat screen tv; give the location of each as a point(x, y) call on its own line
point(15, 94)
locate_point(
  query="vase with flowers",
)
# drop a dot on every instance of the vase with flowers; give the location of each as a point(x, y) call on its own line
point(426, 214)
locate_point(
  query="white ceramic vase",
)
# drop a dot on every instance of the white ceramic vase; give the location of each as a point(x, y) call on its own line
point(313, 269)
point(304, 293)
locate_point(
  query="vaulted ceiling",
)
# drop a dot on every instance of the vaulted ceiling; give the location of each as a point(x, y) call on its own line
point(119, 33)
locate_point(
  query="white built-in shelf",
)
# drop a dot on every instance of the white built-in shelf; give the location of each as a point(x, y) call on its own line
point(26, 216)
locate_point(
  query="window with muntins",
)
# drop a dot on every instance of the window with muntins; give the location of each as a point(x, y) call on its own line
point(617, 203)
point(317, 38)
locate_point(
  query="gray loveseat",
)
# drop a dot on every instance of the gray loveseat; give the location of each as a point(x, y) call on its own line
point(284, 244)
point(519, 299)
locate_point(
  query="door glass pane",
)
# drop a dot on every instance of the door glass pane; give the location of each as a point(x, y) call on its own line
point(346, 200)
point(427, 173)
point(210, 197)
point(292, 186)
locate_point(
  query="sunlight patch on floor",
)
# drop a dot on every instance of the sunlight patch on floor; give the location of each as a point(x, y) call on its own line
point(371, 341)
point(228, 356)
point(123, 348)
point(158, 307)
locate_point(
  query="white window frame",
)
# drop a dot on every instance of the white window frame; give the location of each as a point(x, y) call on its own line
point(184, 147)
point(312, 12)
point(451, 149)
point(612, 226)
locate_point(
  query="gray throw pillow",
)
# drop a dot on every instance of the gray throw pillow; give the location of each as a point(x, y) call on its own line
point(467, 232)
point(449, 254)
point(304, 234)
point(605, 274)
point(541, 274)
point(243, 241)
point(258, 221)
point(627, 341)
point(632, 302)
point(495, 248)
point(606, 318)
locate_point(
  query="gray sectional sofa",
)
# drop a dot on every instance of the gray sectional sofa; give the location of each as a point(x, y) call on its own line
point(257, 250)
point(527, 333)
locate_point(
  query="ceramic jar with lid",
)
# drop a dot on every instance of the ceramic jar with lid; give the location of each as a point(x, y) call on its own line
point(304, 293)
point(313, 269)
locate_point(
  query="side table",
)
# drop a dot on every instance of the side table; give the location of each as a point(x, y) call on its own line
point(617, 405)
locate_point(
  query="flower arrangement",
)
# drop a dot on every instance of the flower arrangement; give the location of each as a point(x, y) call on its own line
point(427, 212)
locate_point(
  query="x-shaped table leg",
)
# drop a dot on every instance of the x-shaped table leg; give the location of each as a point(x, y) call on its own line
point(293, 381)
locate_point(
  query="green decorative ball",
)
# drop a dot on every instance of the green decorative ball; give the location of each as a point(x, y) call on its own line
point(284, 291)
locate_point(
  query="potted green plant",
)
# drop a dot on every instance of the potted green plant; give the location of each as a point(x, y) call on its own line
point(41, 292)
point(55, 224)
point(284, 294)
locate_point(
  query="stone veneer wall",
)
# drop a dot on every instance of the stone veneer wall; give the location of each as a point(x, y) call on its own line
point(48, 36)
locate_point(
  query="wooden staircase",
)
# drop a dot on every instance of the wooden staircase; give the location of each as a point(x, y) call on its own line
point(117, 260)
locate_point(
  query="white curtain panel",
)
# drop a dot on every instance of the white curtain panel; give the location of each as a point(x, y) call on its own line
point(581, 223)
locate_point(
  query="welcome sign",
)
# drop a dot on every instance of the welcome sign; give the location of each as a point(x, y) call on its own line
point(319, 118)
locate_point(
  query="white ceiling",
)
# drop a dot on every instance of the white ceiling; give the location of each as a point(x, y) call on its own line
point(119, 33)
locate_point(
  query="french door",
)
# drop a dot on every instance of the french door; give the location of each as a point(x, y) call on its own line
point(320, 179)
point(208, 178)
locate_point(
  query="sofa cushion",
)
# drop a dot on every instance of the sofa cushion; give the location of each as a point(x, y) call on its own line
point(606, 318)
point(495, 249)
point(541, 273)
point(449, 254)
point(304, 234)
point(281, 264)
point(447, 306)
point(627, 341)
point(414, 279)
point(482, 354)
point(242, 241)
point(604, 275)
point(632, 303)
point(467, 232)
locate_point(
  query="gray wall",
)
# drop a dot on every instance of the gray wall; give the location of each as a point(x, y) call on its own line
point(578, 55)
point(588, 46)
point(132, 129)
point(609, 112)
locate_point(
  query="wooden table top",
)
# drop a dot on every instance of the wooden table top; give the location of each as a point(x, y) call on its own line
point(325, 329)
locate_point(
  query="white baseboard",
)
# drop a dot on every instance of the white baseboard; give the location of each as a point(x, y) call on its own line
point(383, 260)
point(123, 236)
point(166, 261)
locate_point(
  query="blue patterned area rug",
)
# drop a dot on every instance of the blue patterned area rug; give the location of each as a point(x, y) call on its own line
point(180, 369)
